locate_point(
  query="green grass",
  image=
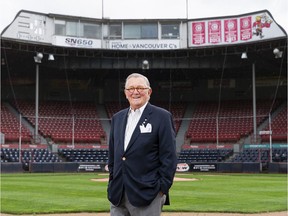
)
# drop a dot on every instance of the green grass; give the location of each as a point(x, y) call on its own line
point(61, 193)
point(242, 193)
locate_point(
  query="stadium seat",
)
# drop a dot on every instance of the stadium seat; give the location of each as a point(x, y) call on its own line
point(10, 127)
point(278, 127)
point(204, 155)
point(56, 121)
point(231, 123)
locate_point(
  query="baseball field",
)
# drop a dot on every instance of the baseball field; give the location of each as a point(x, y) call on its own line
point(58, 193)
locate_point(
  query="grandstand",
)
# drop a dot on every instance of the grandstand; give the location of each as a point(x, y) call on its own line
point(227, 110)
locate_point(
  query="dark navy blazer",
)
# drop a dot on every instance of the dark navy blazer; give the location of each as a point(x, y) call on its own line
point(149, 163)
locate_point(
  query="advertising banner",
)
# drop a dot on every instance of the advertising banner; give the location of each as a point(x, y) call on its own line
point(233, 30)
point(198, 33)
point(90, 167)
point(230, 30)
point(144, 44)
point(196, 167)
point(214, 32)
point(203, 167)
point(245, 28)
point(76, 42)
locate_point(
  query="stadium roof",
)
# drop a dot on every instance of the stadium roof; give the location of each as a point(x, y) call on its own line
point(201, 59)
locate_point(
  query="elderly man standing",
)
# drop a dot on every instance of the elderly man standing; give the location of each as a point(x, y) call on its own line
point(142, 154)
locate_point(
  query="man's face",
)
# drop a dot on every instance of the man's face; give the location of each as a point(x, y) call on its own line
point(137, 92)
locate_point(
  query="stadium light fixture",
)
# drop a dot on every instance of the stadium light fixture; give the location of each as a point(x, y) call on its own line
point(38, 57)
point(277, 53)
point(145, 64)
point(51, 57)
point(244, 55)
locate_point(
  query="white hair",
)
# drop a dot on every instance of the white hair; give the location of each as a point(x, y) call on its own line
point(137, 75)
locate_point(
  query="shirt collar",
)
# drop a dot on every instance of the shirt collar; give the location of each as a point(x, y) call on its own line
point(141, 109)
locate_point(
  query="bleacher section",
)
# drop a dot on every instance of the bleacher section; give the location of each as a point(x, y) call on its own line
point(61, 121)
point(27, 156)
point(114, 107)
point(261, 155)
point(235, 120)
point(56, 120)
point(204, 155)
point(10, 127)
point(84, 155)
point(278, 127)
point(56, 123)
point(101, 155)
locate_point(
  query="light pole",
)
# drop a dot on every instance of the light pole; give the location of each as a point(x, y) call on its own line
point(270, 140)
point(254, 103)
point(244, 56)
point(37, 60)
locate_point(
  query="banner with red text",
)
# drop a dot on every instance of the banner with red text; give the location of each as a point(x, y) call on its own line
point(234, 30)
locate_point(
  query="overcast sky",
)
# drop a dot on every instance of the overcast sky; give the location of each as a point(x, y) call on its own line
point(141, 9)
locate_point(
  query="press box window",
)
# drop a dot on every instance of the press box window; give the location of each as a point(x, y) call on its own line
point(115, 31)
point(149, 31)
point(132, 31)
point(90, 30)
point(60, 27)
point(170, 31)
point(71, 29)
point(140, 31)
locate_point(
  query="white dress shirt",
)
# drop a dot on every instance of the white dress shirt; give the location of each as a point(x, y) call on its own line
point(133, 119)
